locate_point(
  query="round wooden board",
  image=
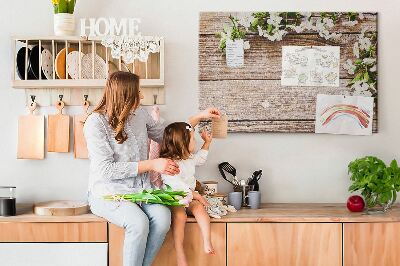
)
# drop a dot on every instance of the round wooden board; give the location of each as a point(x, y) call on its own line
point(60, 62)
point(61, 208)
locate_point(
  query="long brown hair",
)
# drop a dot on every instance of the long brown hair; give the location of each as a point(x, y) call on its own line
point(121, 96)
point(176, 140)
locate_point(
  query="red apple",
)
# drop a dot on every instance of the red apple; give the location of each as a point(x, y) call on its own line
point(355, 203)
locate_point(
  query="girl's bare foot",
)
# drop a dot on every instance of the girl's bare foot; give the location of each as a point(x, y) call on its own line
point(181, 258)
point(209, 249)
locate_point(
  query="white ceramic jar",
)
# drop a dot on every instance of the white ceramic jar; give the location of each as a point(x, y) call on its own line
point(210, 187)
point(64, 24)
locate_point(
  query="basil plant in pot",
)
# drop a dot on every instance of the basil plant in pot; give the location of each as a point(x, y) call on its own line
point(376, 182)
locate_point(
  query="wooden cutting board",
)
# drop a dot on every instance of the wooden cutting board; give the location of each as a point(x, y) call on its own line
point(80, 149)
point(31, 135)
point(58, 131)
point(61, 208)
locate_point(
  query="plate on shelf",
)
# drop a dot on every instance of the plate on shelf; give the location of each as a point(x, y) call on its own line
point(34, 62)
point(20, 66)
point(99, 67)
point(73, 64)
point(61, 64)
point(47, 64)
point(112, 67)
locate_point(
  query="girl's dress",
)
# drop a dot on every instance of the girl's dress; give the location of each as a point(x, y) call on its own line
point(185, 180)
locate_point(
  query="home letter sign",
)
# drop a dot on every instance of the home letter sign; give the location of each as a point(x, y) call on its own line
point(108, 26)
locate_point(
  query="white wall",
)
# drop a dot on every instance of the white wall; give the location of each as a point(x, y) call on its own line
point(297, 167)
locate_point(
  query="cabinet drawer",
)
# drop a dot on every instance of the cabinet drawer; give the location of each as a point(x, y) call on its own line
point(53, 232)
point(285, 244)
point(51, 254)
point(370, 244)
point(166, 257)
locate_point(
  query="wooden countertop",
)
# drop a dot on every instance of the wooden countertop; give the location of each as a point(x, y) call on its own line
point(274, 212)
point(25, 215)
point(307, 212)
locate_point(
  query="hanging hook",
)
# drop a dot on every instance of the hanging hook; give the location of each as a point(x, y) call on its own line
point(86, 97)
point(155, 98)
point(33, 97)
point(61, 97)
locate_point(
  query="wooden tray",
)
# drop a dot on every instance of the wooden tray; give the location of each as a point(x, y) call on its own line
point(61, 208)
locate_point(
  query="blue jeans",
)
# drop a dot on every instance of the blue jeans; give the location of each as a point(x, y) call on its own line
point(145, 227)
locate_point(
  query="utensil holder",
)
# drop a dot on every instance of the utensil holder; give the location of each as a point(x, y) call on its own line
point(245, 193)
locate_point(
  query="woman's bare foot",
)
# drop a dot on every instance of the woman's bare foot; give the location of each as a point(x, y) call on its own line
point(208, 248)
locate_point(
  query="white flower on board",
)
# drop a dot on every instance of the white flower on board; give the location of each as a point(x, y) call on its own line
point(356, 50)
point(297, 29)
point(246, 45)
point(373, 68)
point(369, 61)
point(328, 22)
point(361, 88)
point(265, 104)
point(274, 19)
point(349, 66)
point(350, 23)
point(365, 43)
point(260, 30)
point(245, 20)
point(306, 14)
point(307, 24)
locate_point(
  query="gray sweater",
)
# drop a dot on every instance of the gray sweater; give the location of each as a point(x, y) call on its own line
point(113, 166)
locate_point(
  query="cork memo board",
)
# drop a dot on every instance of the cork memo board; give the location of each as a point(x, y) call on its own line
point(253, 96)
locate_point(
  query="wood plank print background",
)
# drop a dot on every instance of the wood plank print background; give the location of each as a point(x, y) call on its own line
point(241, 92)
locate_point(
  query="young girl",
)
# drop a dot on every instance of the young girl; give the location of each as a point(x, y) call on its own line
point(179, 145)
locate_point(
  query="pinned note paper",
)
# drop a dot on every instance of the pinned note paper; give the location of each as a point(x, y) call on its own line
point(234, 53)
point(310, 66)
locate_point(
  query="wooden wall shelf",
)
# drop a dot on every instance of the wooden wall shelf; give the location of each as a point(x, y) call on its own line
point(151, 72)
point(71, 84)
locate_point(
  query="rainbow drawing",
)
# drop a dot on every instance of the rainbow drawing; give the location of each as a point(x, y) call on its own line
point(332, 112)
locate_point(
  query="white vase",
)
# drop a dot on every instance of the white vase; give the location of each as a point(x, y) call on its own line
point(64, 24)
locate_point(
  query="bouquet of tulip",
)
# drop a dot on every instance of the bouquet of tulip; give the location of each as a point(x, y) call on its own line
point(166, 196)
point(64, 6)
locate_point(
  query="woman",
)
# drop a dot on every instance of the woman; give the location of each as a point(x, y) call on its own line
point(116, 134)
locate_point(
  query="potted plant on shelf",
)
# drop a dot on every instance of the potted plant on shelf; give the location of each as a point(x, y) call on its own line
point(64, 21)
point(376, 182)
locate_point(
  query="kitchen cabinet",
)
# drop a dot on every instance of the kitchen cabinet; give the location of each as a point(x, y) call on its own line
point(28, 239)
point(193, 246)
point(53, 232)
point(371, 244)
point(53, 254)
point(284, 244)
point(275, 235)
